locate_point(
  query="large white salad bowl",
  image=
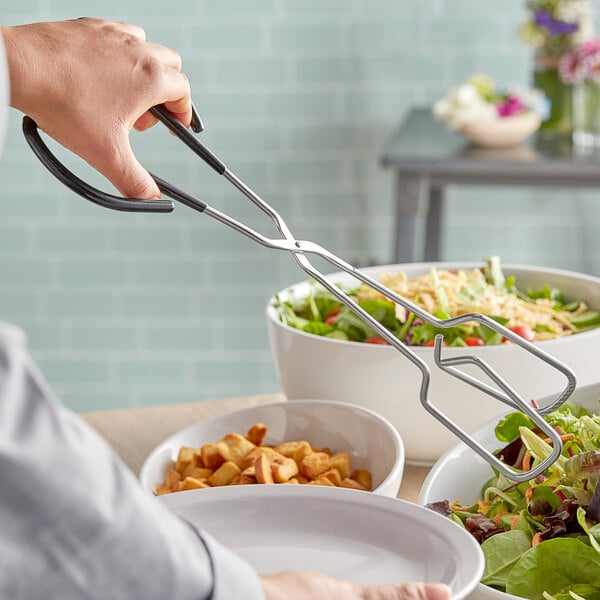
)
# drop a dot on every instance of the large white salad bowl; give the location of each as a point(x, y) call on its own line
point(460, 473)
point(380, 378)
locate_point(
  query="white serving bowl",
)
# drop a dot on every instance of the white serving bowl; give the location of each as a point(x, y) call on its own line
point(357, 536)
point(380, 378)
point(460, 473)
point(372, 442)
point(502, 132)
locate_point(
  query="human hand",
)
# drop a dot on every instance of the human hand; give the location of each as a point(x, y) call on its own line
point(88, 82)
point(299, 585)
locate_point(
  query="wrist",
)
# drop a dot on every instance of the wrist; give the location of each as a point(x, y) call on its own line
point(27, 72)
point(14, 67)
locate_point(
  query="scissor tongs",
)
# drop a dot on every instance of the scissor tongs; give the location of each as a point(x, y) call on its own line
point(300, 249)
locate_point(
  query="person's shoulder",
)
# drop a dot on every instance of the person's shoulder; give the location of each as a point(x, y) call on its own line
point(11, 336)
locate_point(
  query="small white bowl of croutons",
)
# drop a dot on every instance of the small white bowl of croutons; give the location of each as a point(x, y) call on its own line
point(305, 442)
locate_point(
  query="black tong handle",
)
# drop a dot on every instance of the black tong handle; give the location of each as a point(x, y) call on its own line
point(192, 142)
point(77, 185)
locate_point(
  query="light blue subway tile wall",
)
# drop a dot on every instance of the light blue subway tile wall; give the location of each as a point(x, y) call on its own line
point(298, 99)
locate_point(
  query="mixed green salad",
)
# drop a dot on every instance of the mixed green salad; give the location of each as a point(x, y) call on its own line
point(535, 314)
point(541, 538)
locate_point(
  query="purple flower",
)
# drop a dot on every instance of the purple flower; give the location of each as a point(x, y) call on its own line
point(554, 27)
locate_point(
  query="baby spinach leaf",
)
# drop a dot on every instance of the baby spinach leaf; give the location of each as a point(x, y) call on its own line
point(488, 335)
point(554, 566)
point(353, 326)
point(382, 311)
point(581, 590)
point(326, 305)
point(423, 333)
point(317, 328)
point(507, 429)
point(502, 552)
point(547, 292)
point(526, 524)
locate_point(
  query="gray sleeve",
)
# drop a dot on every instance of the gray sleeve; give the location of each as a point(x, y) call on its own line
point(76, 523)
point(4, 93)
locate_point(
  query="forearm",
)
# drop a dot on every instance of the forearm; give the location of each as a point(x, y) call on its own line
point(77, 522)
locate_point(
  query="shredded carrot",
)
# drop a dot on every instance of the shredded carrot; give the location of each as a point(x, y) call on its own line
point(513, 523)
point(565, 437)
point(536, 539)
point(534, 404)
point(528, 492)
point(526, 465)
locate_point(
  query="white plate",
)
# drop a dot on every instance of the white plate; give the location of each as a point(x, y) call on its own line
point(460, 473)
point(353, 535)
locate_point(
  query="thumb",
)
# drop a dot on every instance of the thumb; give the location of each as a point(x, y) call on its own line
point(127, 174)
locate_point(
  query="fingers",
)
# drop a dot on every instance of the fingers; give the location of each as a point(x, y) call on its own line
point(134, 30)
point(176, 98)
point(174, 90)
point(122, 26)
point(180, 102)
point(127, 174)
point(437, 591)
point(165, 55)
point(407, 591)
point(299, 585)
point(146, 121)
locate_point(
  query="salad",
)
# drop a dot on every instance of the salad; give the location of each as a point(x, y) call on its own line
point(533, 314)
point(541, 538)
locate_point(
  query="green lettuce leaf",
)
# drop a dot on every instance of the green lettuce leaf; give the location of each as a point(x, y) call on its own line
point(555, 566)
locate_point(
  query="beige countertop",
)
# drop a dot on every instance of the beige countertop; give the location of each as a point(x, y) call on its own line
point(135, 432)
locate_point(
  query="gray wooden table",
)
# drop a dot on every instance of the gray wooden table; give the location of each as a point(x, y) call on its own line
point(427, 157)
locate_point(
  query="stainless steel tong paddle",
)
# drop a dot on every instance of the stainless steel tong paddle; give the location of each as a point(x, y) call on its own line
point(300, 249)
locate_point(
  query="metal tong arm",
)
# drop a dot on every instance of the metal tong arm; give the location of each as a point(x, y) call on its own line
point(299, 249)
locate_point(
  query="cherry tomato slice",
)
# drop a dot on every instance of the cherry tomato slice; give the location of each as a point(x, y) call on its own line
point(474, 341)
point(330, 320)
point(524, 332)
point(376, 340)
point(432, 343)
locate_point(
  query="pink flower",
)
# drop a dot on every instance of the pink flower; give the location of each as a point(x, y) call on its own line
point(589, 47)
point(581, 63)
point(593, 67)
point(511, 105)
point(570, 68)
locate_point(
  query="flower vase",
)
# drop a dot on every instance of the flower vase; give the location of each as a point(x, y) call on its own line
point(547, 79)
point(586, 114)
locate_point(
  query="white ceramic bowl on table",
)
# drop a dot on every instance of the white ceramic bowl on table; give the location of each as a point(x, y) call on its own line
point(460, 473)
point(349, 534)
point(372, 442)
point(502, 132)
point(380, 378)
